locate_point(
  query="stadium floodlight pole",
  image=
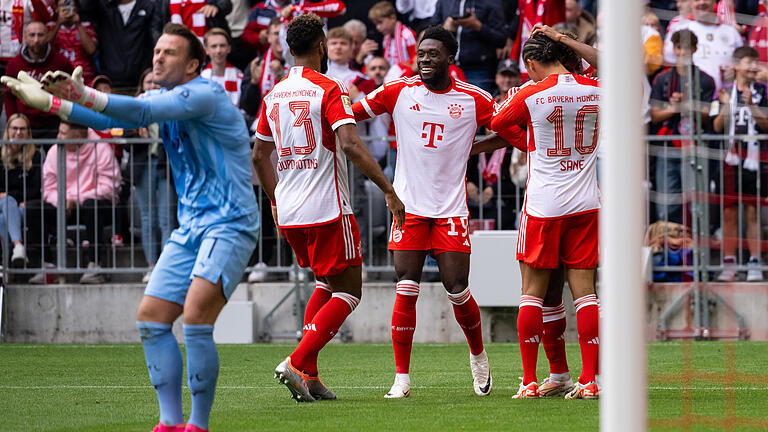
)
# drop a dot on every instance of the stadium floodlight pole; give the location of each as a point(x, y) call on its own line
point(623, 406)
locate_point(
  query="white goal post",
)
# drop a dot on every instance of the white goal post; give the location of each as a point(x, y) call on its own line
point(623, 406)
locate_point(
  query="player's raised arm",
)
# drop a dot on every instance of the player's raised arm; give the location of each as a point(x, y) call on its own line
point(358, 153)
point(587, 52)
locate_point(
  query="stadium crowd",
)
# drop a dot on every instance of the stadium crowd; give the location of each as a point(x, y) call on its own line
point(369, 43)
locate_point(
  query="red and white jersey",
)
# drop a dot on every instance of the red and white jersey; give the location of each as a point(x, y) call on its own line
point(561, 113)
point(188, 12)
point(435, 132)
point(300, 116)
point(232, 81)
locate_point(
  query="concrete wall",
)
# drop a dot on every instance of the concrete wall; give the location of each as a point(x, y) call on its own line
point(99, 314)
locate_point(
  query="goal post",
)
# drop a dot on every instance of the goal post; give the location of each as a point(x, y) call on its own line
point(623, 405)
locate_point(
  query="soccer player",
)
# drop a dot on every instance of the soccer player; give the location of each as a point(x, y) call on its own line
point(559, 382)
point(560, 212)
point(436, 118)
point(204, 259)
point(308, 117)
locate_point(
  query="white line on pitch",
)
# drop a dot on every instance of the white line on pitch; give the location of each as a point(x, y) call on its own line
point(106, 387)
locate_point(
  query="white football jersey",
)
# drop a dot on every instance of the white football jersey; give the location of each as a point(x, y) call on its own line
point(300, 115)
point(561, 114)
point(435, 132)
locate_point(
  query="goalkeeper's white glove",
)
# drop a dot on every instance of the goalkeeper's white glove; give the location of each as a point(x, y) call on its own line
point(30, 92)
point(72, 88)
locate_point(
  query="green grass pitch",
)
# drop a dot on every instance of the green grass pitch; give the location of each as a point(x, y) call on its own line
point(106, 388)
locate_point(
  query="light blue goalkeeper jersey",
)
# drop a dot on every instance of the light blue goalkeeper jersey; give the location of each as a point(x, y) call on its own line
point(207, 144)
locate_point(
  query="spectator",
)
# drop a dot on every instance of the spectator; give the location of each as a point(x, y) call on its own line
point(16, 16)
point(684, 11)
point(758, 37)
point(263, 72)
point(217, 45)
point(74, 39)
point(652, 47)
point(651, 20)
point(36, 58)
point(155, 193)
point(399, 41)
point(376, 69)
point(92, 178)
point(241, 53)
point(21, 166)
point(670, 115)
point(198, 16)
point(362, 47)
point(716, 41)
point(256, 31)
point(739, 110)
point(507, 76)
point(583, 20)
point(418, 12)
point(528, 14)
point(482, 32)
point(127, 31)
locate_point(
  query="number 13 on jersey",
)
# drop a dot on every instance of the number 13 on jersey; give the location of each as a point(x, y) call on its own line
point(300, 111)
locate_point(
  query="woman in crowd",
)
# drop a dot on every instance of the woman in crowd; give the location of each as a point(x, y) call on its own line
point(19, 182)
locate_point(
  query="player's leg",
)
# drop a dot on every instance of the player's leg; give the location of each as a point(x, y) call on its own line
point(559, 381)
point(730, 234)
point(579, 253)
point(317, 300)
point(160, 307)
point(582, 283)
point(530, 325)
point(222, 256)
point(408, 267)
point(409, 247)
point(454, 273)
point(204, 303)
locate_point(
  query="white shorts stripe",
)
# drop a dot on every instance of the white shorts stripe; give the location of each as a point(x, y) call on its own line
point(347, 236)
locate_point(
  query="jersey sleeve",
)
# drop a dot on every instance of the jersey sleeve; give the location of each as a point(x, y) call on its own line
point(181, 103)
point(380, 101)
point(485, 108)
point(337, 107)
point(263, 131)
point(512, 113)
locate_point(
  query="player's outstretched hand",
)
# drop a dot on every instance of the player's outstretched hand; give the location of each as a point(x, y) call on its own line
point(64, 85)
point(28, 90)
point(396, 207)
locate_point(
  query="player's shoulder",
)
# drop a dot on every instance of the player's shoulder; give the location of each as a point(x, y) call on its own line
point(325, 82)
point(473, 90)
point(587, 80)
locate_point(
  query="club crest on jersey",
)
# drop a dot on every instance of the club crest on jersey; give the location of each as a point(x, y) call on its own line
point(454, 110)
point(397, 235)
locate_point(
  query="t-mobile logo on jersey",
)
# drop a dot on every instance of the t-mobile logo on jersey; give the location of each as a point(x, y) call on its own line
point(432, 134)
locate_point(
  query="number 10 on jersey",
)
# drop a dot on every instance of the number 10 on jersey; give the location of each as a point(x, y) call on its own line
point(300, 111)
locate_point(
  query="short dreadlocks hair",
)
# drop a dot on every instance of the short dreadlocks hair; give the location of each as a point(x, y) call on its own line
point(545, 50)
point(303, 33)
point(440, 34)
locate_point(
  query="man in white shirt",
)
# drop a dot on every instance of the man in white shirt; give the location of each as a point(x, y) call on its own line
point(218, 46)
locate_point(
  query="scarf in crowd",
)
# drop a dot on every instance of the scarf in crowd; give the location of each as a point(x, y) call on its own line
point(491, 167)
point(396, 47)
point(752, 161)
point(232, 81)
point(726, 12)
point(758, 37)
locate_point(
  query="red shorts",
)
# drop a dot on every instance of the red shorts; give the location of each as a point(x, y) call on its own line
point(572, 240)
point(327, 249)
point(430, 234)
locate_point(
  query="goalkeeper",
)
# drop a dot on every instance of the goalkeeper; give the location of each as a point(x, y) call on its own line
point(204, 259)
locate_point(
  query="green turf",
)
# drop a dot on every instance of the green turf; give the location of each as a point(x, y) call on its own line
point(106, 388)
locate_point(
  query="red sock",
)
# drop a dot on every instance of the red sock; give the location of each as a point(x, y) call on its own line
point(587, 322)
point(321, 330)
point(468, 316)
point(530, 329)
point(554, 338)
point(404, 323)
point(319, 297)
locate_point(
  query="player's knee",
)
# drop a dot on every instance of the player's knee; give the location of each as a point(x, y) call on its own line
point(456, 286)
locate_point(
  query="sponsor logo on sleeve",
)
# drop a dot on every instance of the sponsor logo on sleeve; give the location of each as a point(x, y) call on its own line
point(347, 104)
